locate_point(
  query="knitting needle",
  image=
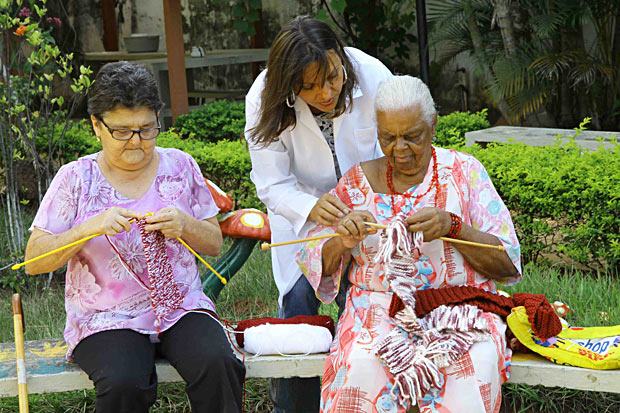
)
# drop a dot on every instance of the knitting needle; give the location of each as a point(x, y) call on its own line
point(54, 251)
point(64, 247)
point(266, 246)
point(217, 274)
point(452, 240)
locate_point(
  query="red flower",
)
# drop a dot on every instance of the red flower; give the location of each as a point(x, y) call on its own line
point(54, 21)
point(24, 12)
point(21, 30)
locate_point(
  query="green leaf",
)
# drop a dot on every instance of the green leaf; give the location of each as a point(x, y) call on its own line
point(338, 5)
point(322, 16)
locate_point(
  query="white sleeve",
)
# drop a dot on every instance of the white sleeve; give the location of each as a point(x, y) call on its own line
point(276, 186)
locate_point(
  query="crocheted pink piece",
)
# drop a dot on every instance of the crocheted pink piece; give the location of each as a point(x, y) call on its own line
point(164, 292)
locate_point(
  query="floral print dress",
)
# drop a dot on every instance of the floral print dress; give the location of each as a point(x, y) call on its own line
point(354, 379)
point(101, 292)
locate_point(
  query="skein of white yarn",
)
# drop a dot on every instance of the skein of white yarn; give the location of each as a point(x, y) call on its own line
point(287, 339)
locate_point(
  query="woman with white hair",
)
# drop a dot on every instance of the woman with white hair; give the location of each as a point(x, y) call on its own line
point(381, 361)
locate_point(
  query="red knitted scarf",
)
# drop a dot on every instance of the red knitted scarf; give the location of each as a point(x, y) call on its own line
point(545, 322)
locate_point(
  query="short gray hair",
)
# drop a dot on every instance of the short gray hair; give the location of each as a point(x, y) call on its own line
point(403, 92)
point(126, 84)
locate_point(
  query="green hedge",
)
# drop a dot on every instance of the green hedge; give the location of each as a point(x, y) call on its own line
point(227, 163)
point(78, 140)
point(215, 121)
point(564, 200)
point(451, 128)
point(225, 119)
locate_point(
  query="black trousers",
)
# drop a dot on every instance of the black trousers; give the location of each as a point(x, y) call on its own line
point(121, 364)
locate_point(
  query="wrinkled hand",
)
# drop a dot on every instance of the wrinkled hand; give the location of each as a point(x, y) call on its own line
point(432, 222)
point(112, 221)
point(353, 229)
point(328, 210)
point(170, 221)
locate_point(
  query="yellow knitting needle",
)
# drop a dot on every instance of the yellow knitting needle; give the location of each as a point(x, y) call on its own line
point(64, 247)
point(217, 274)
point(74, 243)
point(54, 251)
point(266, 246)
point(452, 240)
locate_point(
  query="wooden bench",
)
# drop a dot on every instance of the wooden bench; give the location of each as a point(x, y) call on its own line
point(49, 372)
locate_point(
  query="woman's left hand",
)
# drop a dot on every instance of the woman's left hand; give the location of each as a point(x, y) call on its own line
point(432, 222)
point(170, 221)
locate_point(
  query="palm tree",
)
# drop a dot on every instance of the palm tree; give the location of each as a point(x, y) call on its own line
point(532, 55)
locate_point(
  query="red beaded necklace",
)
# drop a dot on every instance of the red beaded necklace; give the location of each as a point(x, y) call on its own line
point(433, 184)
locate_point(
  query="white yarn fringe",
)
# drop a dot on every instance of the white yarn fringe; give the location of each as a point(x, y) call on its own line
point(415, 352)
point(416, 355)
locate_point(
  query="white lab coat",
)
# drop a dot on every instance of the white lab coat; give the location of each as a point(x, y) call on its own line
point(292, 173)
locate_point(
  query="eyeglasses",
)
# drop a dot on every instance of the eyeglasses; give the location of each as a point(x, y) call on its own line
point(122, 134)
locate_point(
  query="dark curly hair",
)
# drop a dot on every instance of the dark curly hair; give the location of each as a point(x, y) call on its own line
point(123, 84)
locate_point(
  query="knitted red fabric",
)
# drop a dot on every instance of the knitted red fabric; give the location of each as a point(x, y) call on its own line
point(545, 322)
point(314, 320)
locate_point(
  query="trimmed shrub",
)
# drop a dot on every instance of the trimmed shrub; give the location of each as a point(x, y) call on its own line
point(78, 140)
point(227, 163)
point(451, 128)
point(564, 200)
point(225, 119)
point(215, 121)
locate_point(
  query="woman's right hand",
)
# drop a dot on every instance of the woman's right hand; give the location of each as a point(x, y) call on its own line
point(328, 210)
point(353, 229)
point(112, 221)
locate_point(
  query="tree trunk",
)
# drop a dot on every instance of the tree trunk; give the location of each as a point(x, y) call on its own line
point(11, 210)
point(481, 56)
point(615, 64)
point(506, 26)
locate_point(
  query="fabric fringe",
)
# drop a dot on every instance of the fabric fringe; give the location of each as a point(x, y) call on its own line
point(415, 354)
point(398, 251)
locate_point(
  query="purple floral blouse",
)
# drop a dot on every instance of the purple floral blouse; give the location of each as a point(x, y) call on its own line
point(101, 293)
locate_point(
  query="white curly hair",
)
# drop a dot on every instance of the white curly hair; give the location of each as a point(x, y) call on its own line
point(403, 92)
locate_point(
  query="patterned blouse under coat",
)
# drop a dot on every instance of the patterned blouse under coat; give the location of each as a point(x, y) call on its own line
point(354, 378)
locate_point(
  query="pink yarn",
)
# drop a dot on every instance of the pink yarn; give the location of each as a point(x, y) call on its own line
point(164, 292)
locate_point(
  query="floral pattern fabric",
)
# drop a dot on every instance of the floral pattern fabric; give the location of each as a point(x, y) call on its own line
point(354, 379)
point(100, 292)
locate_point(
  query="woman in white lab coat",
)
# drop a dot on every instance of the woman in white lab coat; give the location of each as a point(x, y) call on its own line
point(309, 118)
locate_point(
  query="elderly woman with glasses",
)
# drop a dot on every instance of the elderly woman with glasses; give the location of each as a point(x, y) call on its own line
point(386, 360)
point(118, 320)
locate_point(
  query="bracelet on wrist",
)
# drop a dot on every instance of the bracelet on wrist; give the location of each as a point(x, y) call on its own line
point(456, 223)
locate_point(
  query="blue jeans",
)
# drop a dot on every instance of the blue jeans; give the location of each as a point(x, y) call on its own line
point(299, 395)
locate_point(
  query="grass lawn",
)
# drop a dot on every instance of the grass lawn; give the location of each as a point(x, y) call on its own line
point(595, 300)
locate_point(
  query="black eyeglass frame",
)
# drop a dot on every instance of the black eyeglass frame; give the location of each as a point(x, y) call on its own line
point(134, 131)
